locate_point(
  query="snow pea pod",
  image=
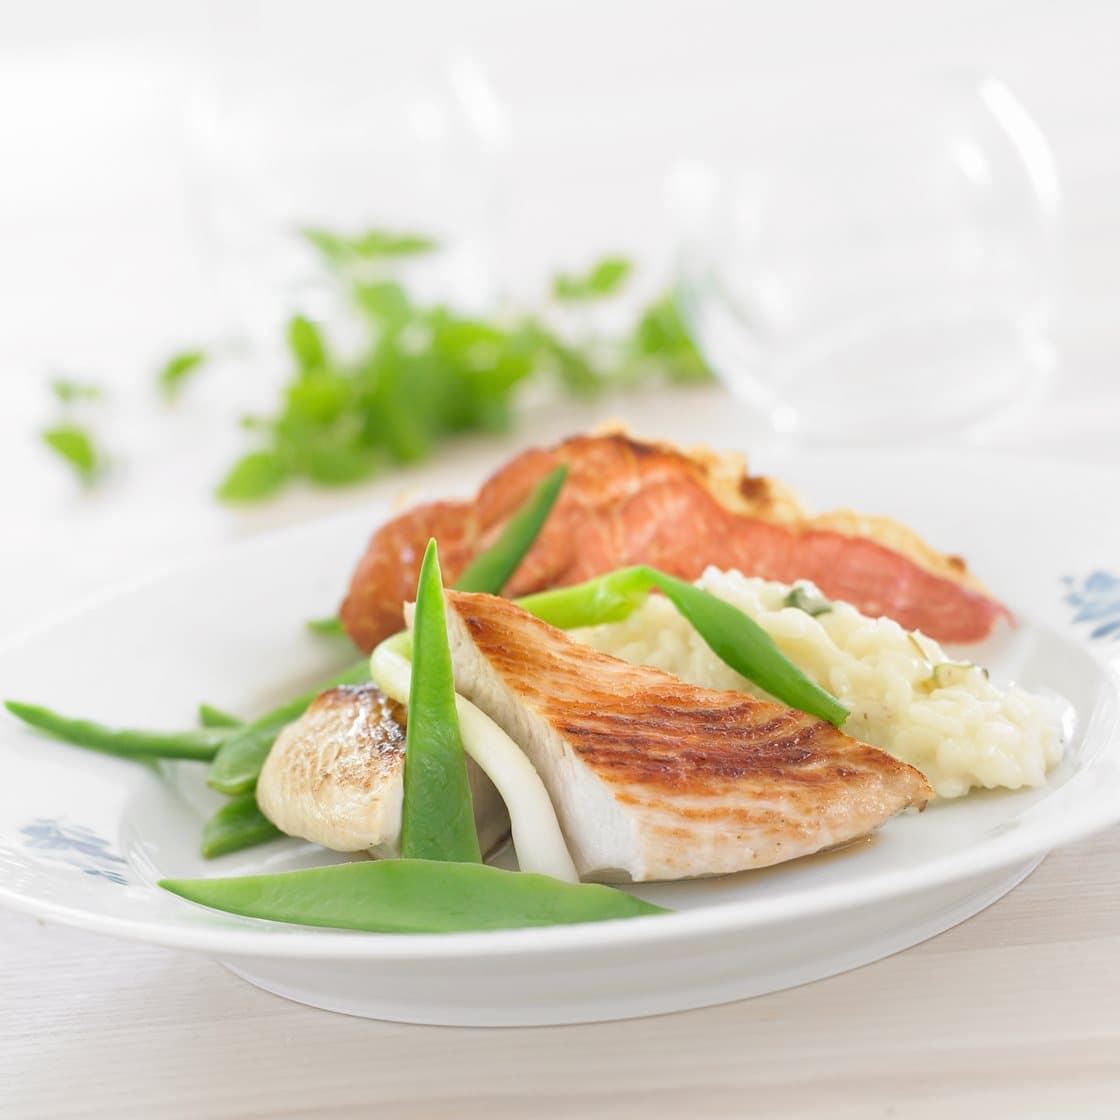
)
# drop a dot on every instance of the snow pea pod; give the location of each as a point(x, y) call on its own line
point(412, 896)
point(437, 820)
point(733, 636)
point(238, 824)
point(329, 627)
point(238, 763)
point(209, 716)
point(125, 742)
point(609, 598)
point(491, 570)
point(737, 640)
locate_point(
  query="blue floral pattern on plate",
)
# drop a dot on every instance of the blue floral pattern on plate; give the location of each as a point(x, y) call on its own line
point(1096, 601)
point(76, 845)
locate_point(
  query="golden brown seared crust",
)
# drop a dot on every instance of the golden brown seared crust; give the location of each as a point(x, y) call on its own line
point(774, 782)
point(626, 501)
point(334, 775)
point(359, 733)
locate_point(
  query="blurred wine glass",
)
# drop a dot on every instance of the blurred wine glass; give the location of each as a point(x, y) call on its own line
point(415, 151)
point(875, 259)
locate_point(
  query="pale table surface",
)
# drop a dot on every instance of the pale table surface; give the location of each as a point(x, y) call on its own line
point(1014, 1013)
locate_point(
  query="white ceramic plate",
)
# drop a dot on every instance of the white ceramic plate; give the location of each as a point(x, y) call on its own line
point(84, 837)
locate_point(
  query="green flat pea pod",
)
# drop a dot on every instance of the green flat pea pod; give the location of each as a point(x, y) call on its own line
point(412, 896)
point(734, 637)
point(437, 819)
point(199, 745)
point(238, 763)
point(329, 627)
point(491, 571)
point(238, 824)
point(209, 716)
point(609, 598)
point(737, 640)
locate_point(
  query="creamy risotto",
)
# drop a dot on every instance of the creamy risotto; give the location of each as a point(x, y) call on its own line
point(905, 696)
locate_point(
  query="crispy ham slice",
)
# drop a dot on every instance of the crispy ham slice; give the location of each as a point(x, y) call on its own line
point(336, 776)
point(656, 779)
point(629, 502)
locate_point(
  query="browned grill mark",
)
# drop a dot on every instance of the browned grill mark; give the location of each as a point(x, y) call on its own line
point(639, 728)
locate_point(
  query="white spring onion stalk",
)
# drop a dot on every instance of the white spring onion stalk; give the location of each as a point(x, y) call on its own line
point(536, 832)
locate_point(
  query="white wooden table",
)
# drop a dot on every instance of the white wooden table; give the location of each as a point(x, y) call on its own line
point(1014, 1013)
point(1011, 1014)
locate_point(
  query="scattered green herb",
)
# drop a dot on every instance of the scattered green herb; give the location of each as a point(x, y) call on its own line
point(412, 896)
point(422, 374)
point(605, 278)
point(71, 392)
point(76, 447)
point(257, 475)
point(425, 372)
point(178, 370)
point(949, 674)
point(804, 600)
point(306, 344)
point(371, 245)
point(661, 342)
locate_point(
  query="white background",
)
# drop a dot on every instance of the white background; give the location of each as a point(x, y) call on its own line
point(102, 273)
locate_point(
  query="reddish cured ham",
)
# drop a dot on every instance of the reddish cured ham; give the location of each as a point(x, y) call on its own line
point(629, 502)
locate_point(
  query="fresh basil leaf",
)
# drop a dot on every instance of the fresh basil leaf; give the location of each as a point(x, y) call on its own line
point(177, 370)
point(260, 474)
point(76, 447)
point(372, 244)
point(605, 278)
point(70, 392)
point(379, 243)
point(339, 465)
point(426, 372)
point(384, 302)
point(306, 344)
point(661, 335)
point(331, 245)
